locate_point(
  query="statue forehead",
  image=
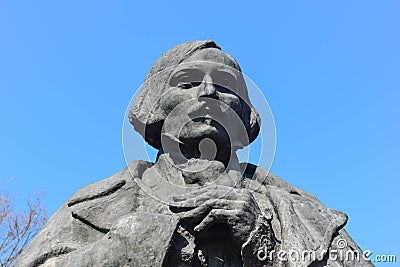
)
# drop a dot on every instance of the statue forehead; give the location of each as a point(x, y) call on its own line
point(212, 55)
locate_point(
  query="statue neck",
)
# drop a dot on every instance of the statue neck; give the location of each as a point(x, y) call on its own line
point(200, 171)
point(180, 152)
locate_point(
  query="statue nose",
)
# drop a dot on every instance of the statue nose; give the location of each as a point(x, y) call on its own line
point(207, 88)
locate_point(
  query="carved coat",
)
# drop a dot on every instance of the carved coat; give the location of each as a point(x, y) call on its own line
point(113, 222)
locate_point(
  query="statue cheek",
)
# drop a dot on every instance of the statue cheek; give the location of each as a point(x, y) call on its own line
point(232, 101)
point(168, 102)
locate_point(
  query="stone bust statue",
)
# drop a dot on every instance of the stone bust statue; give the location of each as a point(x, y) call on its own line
point(196, 205)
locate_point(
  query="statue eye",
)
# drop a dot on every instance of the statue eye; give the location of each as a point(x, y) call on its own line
point(225, 86)
point(188, 85)
point(186, 78)
point(186, 82)
point(225, 81)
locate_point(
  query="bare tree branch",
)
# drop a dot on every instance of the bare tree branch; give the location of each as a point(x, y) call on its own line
point(18, 228)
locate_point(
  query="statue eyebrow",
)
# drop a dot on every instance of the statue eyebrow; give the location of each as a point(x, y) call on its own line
point(223, 72)
point(188, 72)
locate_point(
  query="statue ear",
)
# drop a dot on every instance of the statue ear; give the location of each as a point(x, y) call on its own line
point(252, 123)
point(255, 124)
point(250, 116)
point(151, 132)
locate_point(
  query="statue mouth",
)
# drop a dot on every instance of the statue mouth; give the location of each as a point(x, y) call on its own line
point(207, 120)
point(205, 112)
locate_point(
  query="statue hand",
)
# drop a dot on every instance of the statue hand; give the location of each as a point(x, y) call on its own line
point(220, 204)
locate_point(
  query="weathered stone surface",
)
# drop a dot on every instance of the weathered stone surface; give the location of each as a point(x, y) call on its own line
point(196, 205)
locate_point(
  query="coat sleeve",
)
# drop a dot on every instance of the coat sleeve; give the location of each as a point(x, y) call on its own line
point(345, 252)
point(138, 239)
point(303, 225)
point(85, 218)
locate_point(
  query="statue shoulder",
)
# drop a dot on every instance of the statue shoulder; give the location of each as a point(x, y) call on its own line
point(293, 210)
point(259, 175)
point(111, 184)
point(89, 213)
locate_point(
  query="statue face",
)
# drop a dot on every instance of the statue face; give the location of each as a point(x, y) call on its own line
point(201, 100)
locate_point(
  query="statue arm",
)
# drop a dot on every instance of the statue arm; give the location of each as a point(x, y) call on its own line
point(137, 239)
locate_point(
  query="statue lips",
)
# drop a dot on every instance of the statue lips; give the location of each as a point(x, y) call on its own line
point(206, 112)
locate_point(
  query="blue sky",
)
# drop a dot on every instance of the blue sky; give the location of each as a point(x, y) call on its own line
point(329, 70)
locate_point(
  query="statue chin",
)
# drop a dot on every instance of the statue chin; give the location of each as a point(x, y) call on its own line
point(204, 143)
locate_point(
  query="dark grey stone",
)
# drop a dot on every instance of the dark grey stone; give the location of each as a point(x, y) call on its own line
point(196, 205)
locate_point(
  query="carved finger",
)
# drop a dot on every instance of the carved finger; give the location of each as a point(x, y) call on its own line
point(215, 216)
point(210, 198)
point(214, 204)
point(195, 215)
point(194, 193)
point(214, 190)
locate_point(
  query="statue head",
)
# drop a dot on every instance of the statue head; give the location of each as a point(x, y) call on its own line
point(200, 91)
